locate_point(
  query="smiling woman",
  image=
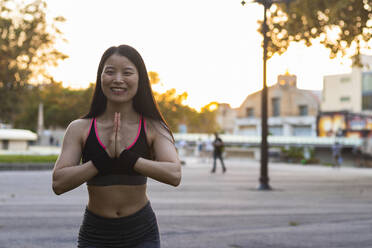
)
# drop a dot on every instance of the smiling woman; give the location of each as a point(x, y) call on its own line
point(122, 141)
point(119, 79)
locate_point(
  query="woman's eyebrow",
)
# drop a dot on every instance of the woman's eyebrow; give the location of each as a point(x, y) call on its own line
point(109, 66)
point(129, 68)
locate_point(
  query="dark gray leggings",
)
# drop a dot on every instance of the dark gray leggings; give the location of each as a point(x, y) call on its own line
point(139, 230)
point(148, 244)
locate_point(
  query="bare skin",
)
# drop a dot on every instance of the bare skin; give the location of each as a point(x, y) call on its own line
point(117, 200)
point(117, 128)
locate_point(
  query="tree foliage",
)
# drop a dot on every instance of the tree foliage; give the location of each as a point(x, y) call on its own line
point(61, 105)
point(26, 48)
point(343, 26)
point(175, 112)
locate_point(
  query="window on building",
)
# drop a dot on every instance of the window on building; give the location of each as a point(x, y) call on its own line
point(367, 81)
point(248, 130)
point(367, 102)
point(303, 110)
point(5, 144)
point(367, 91)
point(250, 112)
point(345, 79)
point(345, 99)
point(299, 130)
point(276, 130)
point(275, 106)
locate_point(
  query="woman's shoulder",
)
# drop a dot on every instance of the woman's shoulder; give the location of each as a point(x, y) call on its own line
point(79, 126)
point(153, 124)
point(155, 127)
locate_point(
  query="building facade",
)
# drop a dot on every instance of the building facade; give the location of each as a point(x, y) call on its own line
point(225, 118)
point(16, 139)
point(291, 111)
point(350, 92)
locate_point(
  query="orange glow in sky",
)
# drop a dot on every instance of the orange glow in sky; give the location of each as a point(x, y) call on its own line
point(210, 49)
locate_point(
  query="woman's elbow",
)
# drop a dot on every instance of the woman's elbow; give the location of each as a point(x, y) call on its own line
point(56, 186)
point(176, 178)
point(57, 189)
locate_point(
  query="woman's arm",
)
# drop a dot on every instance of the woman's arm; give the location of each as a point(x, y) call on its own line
point(167, 167)
point(66, 174)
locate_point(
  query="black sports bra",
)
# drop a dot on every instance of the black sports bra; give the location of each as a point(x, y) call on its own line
point(93, 145)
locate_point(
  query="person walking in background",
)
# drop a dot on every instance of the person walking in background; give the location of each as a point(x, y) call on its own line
point(218, 147)
point(336, 154)
point(122, 140)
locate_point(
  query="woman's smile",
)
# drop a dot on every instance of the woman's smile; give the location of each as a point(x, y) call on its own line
point(118, 90)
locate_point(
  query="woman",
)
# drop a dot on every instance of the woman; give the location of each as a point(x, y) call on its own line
point(121, 141)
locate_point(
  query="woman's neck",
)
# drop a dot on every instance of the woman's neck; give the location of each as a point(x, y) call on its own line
point(126, 110)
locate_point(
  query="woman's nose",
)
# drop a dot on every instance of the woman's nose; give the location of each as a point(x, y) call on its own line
point(119, 78)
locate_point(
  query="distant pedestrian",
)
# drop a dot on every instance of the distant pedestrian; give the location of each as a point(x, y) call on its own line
point(336, 154)
point(51, 140)
point(218, 147)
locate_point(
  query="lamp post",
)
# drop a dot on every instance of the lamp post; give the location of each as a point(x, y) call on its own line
point(264, 177)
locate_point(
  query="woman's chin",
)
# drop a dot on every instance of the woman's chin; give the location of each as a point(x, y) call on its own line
point(119, 99)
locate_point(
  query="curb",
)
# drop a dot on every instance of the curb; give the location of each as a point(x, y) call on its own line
point(25, 166)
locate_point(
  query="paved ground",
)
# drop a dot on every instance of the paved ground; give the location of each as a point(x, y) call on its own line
point(310, 206)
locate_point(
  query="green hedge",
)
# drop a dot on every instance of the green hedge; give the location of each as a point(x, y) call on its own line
point(28, 158)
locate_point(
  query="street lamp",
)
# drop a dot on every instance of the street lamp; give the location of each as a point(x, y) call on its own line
point(264, 178)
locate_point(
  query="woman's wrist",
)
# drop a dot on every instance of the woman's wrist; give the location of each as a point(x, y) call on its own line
point(128, 159)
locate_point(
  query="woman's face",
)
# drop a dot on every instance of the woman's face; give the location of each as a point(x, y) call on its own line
point(119, 79)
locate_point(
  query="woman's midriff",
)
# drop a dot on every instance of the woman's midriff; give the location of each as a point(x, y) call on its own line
point(116, 201)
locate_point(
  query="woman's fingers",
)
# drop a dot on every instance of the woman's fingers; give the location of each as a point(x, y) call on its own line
point(118, 129)
point(117, 141)
point(116, 133)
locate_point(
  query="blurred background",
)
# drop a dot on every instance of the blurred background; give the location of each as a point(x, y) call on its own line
point(205, 65)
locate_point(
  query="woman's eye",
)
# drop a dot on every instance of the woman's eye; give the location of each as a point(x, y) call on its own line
point(109, 72)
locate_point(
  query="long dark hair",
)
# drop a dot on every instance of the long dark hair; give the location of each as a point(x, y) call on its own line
point(143, 102)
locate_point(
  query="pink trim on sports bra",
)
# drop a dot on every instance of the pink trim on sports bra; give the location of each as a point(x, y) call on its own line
point(144, 124)
point(134, 142)
point(138, 133)
point(95, 129)
point(90, 127)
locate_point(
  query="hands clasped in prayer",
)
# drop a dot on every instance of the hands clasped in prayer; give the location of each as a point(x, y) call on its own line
point(113, 160)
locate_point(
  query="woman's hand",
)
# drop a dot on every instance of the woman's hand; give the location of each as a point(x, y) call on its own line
point(113, 149)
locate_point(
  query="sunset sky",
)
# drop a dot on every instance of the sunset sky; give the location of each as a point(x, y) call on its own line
point(210, 49)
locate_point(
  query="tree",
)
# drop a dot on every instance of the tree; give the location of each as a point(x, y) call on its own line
point(61, 105)
point(343, 26)
point(26, 49)
point(175, 112)
point(170, 105)
point(208, 118)
point(154, 77)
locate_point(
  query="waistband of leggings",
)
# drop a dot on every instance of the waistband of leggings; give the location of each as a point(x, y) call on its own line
point(144, 211)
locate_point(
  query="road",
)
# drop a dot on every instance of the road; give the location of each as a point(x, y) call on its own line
point(309, 206)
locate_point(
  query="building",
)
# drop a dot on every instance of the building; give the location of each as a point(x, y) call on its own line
point(225, 118)
point(350, 92)
point(16, 139)
point(291, 111)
